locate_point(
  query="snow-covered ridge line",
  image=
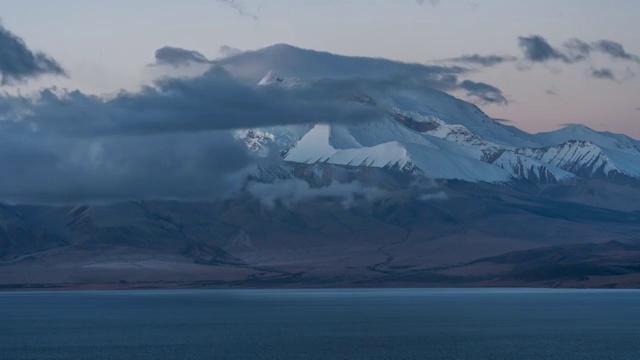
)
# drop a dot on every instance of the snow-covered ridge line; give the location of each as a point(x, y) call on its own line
point(432, 159)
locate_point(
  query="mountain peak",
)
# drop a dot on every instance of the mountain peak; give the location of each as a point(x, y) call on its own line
point(294, 62)
point(282, 47)
point(577, 128)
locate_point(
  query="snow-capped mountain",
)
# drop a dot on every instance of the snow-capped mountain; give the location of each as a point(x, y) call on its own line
point(605, 139)
point(592, 154)
point(426, 131)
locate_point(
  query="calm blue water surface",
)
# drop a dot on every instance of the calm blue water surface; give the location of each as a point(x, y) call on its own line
point(321, 324)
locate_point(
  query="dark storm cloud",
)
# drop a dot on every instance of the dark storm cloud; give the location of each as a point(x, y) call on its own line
point(42, 168)
point(483, 60)
point(171, 141)
point(174, 56)
point(485, 93)
point(19, 63)
point(63, 157)
point(603, 73)
point(536, 49)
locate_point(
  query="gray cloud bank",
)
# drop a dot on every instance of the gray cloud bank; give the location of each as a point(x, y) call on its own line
point(213, 101)
point(19, 63)
point(239, 7)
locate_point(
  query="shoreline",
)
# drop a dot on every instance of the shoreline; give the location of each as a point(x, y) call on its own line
point(17, 288)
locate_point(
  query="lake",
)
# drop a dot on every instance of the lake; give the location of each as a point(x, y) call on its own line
point(322, 324)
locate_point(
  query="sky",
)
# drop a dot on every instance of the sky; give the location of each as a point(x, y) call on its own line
point(95, 107)
point(104, 46)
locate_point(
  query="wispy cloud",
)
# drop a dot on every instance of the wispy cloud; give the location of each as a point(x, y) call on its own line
point(482, 60)
point(615, 50)
point(290, 192)
point(485, 93)
point(537, 49)
point(602, 73)
point(577, 50)
point(226, 51)
point(175, 56)
point(441, 195)
point(240, 8)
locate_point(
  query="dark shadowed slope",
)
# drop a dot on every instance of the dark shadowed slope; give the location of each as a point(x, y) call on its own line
point(483, 235)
